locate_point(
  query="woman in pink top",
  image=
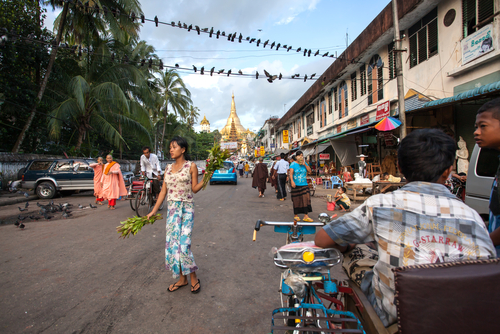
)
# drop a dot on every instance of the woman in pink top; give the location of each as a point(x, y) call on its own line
point(112, 182)
point(180, 182)
point(97, 167)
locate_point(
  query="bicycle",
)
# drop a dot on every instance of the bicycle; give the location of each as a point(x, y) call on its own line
point(306, 283)
point(144, 200)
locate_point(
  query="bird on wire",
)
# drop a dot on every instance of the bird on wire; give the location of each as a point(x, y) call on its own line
point(202, 70)
point(194, 68)
point(289, 48)
point(218, 34)
point(228, 72)
point(197, 29)
point(298, 50)
point(312, 76)
point(317, 53)
point(258, 42)
point(212, 71)
point(272, 45)
point(305, 78)
point(240, 72)
point(325, 55)
point(256, 74)
point(265, 43)
point(220, 71)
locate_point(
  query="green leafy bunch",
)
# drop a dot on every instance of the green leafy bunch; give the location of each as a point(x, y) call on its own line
point(134, 225)
point(216, 158)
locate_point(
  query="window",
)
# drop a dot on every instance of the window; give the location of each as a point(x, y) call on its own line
point(40, 165)
point(63, 166)
point(423, 38)
point(299, 127)
point(82, 165)
point(476, 14)
point(375, 80)
point(310, 119)
point(362, 80)
point(392, 61)
point(335, 99)
point(343, 101)
point(354, 88)
point(330, 104)
point(322, 107)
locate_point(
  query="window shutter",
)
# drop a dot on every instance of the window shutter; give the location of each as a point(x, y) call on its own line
point(432, 32)
point(362, 78)
point(354, 88)
point(380, 84)
point(335, 97)
point(468, 16)
point(484, 10)
point(422, 45)
point(392, 63)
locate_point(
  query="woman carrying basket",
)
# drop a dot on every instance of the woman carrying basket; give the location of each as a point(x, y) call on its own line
point(300, 189)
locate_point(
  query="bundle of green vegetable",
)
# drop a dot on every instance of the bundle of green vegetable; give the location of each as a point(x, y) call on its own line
point(134, 225)
point(216, 158)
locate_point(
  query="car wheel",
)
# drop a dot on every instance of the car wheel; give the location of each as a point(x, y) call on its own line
point(45, 190)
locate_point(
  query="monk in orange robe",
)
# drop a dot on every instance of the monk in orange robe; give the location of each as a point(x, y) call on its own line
point(98, 168)
point(112, 182)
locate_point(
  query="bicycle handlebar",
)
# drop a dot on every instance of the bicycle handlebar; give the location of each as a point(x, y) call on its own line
point(266, 223)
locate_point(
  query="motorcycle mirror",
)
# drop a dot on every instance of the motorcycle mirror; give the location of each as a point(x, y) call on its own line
point(324, 218)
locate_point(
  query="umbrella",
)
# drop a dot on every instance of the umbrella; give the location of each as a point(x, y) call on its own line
point(387, 124)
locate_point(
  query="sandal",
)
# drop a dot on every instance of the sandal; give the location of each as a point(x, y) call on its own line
point(296, 218)
point(307, 220)
point(194, 286)
point(175, 287)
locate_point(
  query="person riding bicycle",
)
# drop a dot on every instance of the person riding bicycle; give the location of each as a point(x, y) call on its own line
point(418, 224)
point(150, 166)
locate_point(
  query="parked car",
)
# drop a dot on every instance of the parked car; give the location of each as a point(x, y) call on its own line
point(201, 171)
point(482, 168)
point(127, 177)
point(225, 174)
point(48, 176)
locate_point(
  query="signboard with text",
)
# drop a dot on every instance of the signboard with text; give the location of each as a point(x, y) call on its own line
point(364, 120)
point(339, 128)
point(383, 110)
point(285, 136)
point(351, 124)
point(262, 151)
point(256, 153)
point(324, 156)
point(229, 146)
point(477, 44)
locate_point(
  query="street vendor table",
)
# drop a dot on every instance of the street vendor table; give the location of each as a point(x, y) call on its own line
point(354, 187)
point(381, 187)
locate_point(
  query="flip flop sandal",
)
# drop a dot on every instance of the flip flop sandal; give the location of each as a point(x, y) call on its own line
point(175, 287)
point(194, 286)
point(307, 220)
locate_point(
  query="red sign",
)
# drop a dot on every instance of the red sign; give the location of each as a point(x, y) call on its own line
point(324, 156)
point(389, 139)
point(383, 110)
point(364, 120)
point(339, 128)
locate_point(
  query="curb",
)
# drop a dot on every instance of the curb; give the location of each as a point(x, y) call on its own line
point(14, 200)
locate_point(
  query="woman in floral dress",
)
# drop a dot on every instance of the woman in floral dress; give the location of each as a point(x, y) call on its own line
point(180, 182)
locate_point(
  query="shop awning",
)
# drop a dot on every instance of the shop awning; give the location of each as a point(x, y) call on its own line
point(472, 94)
point(346, 150)
point(281, 150)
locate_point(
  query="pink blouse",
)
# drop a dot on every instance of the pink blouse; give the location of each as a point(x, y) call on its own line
point(179, 186)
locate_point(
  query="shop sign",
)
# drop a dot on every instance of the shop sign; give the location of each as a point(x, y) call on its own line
point(295, 144)
point(383, 110)
point(364, 120)
point(324, 156)
point(351, 124)
point(229, 146)
point(262, 151)
point(389, 139)
point(477, 44)
point(285, 136)
point(273, 145)
point(256, 153)
point(339, 128)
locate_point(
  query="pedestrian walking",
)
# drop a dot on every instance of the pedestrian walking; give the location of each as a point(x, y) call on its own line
point(260, 176)
point(487, 135)
point(97, 167)
point(179, 185)
point(281, 168)
point(240, 168)
point(300, 189)
point(113, 185)
point(247, 169)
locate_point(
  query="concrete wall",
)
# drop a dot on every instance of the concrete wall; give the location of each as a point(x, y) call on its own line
point(11, 163)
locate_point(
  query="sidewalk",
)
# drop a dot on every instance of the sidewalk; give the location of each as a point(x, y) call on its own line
point(7, 198)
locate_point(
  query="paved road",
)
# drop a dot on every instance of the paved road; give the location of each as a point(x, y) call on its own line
point(76, 276)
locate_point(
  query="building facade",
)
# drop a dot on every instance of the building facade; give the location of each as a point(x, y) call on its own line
point(205, 125)
point(451, 66)
point(265, 136)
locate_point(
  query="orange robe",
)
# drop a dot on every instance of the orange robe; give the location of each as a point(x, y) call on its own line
point(113, 185)
point(97, 179)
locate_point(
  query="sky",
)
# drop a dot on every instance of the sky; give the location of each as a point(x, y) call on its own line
point(326, 25)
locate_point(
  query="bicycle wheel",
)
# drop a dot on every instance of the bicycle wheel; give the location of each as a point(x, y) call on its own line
point(132, 200)
point(143, 203)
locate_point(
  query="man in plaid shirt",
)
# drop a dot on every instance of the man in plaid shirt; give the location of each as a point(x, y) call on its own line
point(420, 223)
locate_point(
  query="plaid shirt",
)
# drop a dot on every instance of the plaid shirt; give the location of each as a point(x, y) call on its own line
point(417, 224)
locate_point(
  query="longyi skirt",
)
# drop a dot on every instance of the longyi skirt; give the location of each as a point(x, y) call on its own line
point(301, 200)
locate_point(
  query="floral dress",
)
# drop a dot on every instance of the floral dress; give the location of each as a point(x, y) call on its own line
point(180, 215)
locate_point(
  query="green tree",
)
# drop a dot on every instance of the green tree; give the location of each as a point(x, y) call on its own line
point(174, 95)
point(192, 115)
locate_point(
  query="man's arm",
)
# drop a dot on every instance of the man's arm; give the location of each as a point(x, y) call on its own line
point(495, 237)
point(143, 164)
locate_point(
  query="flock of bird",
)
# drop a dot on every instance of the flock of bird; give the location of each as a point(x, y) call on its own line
point(45, 211)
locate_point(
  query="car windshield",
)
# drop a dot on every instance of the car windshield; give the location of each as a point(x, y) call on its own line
point(228, 165)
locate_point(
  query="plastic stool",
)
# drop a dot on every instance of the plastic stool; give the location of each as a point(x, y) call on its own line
point(326, 184)
point(319, 180)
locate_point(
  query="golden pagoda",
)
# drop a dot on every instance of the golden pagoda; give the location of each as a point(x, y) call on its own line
point(205, 124)
point(241, 133)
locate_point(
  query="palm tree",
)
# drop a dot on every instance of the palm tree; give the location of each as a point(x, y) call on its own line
point(192, 115)
point(174, 94)
point(83, 22)
point(99, 102)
